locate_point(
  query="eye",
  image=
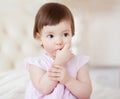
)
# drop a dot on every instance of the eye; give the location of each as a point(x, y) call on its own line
point(50, 36)
point(66, 34)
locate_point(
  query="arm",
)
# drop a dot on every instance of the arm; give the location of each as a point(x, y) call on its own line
point(41, 80)
point(80, 87)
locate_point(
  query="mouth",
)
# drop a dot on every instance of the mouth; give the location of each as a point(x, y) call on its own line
point(59, 49)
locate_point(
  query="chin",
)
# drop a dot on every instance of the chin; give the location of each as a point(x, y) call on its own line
point(53, 56)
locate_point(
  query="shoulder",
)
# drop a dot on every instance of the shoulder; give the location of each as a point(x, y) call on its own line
point(41, 61)
point(34, 60)
point(80, 60)
point(83, 58)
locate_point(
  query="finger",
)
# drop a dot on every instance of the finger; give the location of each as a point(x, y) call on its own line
point(58, 66)
point(54, 74)
point(67, 46)
point(57, 52)
point(54, 78)
point(72, 54)
point(52, 65)
point(54, 69)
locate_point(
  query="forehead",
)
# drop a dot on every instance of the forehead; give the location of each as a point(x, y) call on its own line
point(62, 26)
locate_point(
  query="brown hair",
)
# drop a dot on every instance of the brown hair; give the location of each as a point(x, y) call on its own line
point(52, 14)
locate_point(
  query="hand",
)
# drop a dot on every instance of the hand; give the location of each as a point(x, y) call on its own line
point(64, 55)
point(58, 73)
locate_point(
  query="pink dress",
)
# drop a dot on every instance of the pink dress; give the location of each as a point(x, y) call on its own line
point(60, 92)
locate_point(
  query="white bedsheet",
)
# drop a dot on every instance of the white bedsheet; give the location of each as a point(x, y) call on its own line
point(13, 85)
point(102, 92)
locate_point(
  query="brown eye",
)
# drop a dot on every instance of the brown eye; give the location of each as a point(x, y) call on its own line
point(66, 34)
point(50, 36)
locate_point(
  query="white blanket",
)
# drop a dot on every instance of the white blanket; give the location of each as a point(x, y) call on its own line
point(102, 92)
point(13, 85)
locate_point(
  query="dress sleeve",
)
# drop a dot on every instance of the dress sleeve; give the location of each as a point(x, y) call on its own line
point(36, 61)
point(82, 60)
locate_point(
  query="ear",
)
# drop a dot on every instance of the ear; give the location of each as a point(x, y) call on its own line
point(37, 36)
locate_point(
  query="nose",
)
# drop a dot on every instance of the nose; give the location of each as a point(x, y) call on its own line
point(59, 41)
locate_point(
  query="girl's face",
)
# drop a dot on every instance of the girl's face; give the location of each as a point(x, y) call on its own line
point(54, 37)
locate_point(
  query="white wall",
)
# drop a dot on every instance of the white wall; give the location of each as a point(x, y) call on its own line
point(103, 32)
point(97, 30)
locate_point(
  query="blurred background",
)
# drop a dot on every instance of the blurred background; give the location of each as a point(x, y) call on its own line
point(97, 34)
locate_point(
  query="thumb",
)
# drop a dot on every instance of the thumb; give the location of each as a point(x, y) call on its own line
point(67, 46)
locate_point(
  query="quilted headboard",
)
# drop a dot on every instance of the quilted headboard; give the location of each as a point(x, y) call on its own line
point(16, 38)
point(17, 42)
point(97, 31)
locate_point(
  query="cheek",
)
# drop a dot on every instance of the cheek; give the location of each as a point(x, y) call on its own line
point(48, 48)
point(68, 41)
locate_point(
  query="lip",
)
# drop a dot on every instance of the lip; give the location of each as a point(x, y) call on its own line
point(59, 48)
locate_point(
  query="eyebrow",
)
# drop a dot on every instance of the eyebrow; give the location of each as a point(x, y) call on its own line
point(52, 32)
point(66, 30)
point(48, 32)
